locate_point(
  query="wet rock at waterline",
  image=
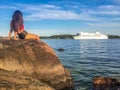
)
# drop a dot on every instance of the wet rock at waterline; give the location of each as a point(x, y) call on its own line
point(105, 83)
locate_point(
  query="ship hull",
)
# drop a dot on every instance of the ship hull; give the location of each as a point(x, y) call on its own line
point(97, 35)
point(80, 37)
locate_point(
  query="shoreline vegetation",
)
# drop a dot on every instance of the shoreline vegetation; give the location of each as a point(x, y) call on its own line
point(69, 36)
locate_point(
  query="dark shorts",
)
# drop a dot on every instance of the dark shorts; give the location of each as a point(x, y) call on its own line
point(22, 35)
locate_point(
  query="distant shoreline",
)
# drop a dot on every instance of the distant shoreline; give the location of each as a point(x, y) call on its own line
point(68, 36)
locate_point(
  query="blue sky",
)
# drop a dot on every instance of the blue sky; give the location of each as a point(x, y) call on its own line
point(50, 17)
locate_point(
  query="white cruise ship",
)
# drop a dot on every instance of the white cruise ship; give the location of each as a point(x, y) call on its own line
point(96, 35)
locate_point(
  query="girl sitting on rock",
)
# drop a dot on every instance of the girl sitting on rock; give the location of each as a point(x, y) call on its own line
point(17, 26)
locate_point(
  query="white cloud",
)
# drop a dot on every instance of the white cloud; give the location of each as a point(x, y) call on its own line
point(105, 24)
point(7, 7)
point(109, 7)
point(106, 10)
point(38, 12)
point(34, 7)
point(79, 12)
point(46, 11)
point(52, 14)
point(116, 1)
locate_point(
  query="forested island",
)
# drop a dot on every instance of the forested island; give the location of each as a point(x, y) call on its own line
point(114, 36)
point(63, 36)
point(68, 36)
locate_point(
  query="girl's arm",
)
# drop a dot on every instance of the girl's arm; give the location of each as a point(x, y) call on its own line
point(17, 28)
point(15, 35)
point(11, 30)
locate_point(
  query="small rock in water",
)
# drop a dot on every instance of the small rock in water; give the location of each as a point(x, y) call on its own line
point(61, 49)
point(105, 83)
point(105, 80)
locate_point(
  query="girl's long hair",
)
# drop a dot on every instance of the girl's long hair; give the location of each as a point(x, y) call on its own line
point(17, 19)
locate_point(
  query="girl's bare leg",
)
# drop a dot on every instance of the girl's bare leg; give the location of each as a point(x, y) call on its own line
point(32, 36)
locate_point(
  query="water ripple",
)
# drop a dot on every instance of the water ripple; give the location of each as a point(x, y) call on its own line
point(88, 58)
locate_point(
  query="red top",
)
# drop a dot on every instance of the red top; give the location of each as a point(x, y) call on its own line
point(22, 27)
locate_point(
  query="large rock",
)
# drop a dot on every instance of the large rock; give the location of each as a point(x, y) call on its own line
point(31, 65)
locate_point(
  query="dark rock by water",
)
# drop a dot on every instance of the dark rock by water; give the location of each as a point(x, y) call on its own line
point(105, 83)
point(31, 65)
point(61, 49)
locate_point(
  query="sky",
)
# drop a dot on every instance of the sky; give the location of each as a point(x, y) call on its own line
point(55, 17)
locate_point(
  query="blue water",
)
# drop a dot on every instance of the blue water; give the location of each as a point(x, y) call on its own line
point(88, 58)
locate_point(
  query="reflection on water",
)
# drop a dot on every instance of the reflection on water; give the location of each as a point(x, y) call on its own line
point(88, 58)
point(93, 48)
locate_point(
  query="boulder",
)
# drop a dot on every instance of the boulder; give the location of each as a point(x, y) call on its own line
point(31, 65)
point(105, 83)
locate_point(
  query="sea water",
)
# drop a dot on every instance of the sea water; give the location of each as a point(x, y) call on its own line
point(88, 58)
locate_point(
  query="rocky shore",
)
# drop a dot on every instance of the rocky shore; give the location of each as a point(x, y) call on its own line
point(31, 65)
